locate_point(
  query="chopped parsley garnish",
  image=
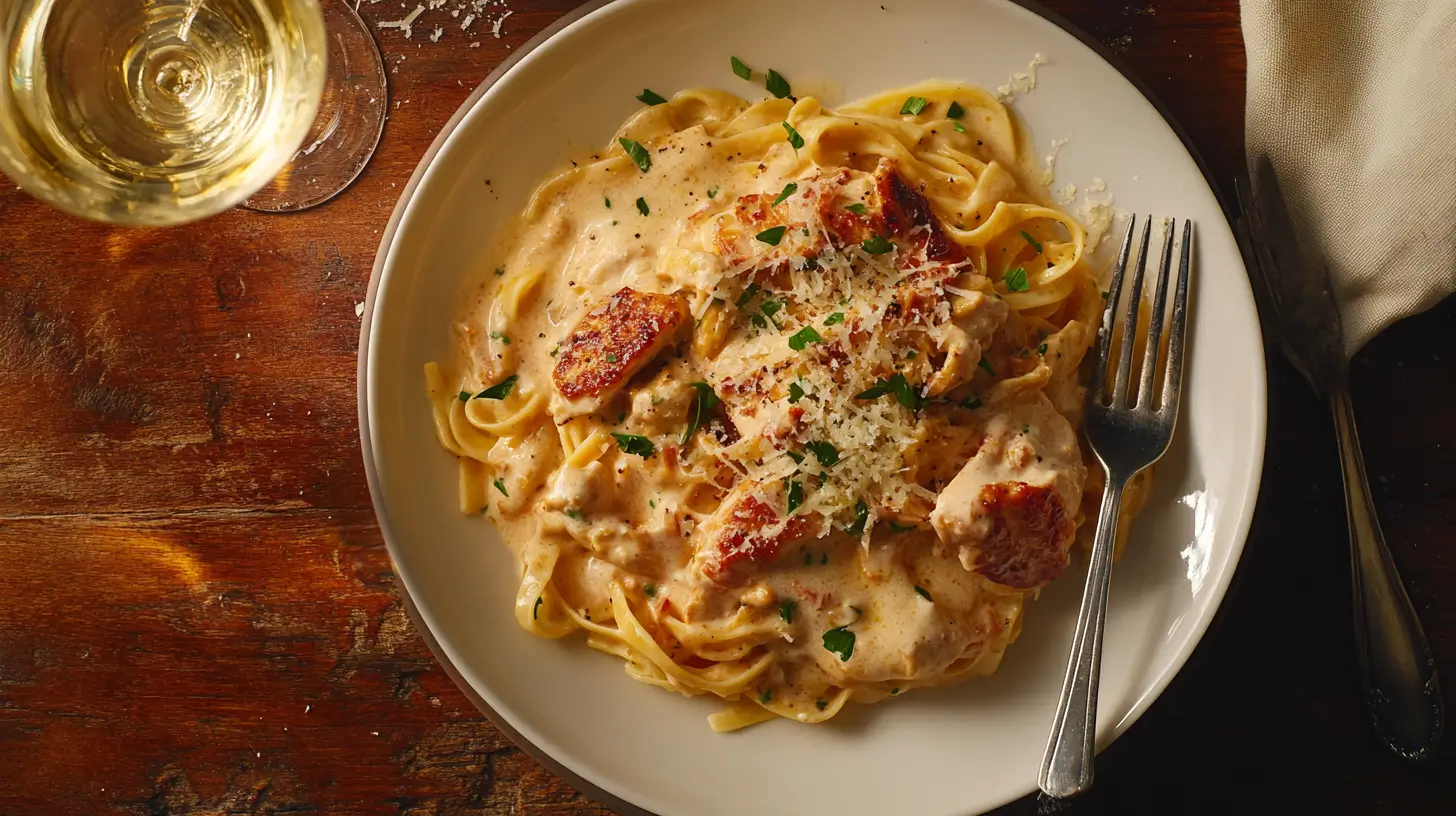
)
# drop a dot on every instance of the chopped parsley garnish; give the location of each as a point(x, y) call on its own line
point(1106, 294)
point(501, 486)
point(1016, 280)
point(840, 641)
point(796, 456)
point(1036, 245)
point(555, 351)
point(772, 236)
point(652, 503)
point(789, 189)
point(500, 271)
point(705, 402)
point(804, 337)
point(650, 97)
point(573, 513)
point(608, 201)
point(776, 84)
point(712, 192)
point(650, 590)
point(766, 697)
point(901, 528)
point(914, 105)
point(834, 319)
point(987, 366)
point(638, 153)
point(924, 593)
point(808, 558)
point(796, 392)
point(971, 403)
point(771, 307)
point(536, 608)
point(960, 127)
point(642, 206)
point(911, 354)
point(1041, 349)
point(861, 517)
point(611, 358)
point(894, 691)
point(464, 396)
point(821, 704)
point(825, 452)
point(501, 337)
point(858, 208)
point(905, 393)
point(796, 495)
point(749, 293)
point(787, 609)
point(500, 390)
point(877, 245)
point(741, 70)
point(955, 111)
point(824, 559)
point(794, 138)
point(636, 445)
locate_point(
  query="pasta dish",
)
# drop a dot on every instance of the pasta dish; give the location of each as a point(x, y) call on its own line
point(779, 403)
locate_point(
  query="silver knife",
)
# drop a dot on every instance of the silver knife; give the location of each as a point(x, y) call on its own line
point(1399, 676)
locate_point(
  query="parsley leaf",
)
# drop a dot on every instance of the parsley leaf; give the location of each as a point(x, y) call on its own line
point(1041, 349)
point(924, 593)
point(877, 245)
point(712, 192)
point(650, 97)
point(573, 513)
point(796, 456)
point(841, 642)
point(861, 517)
point(749, 293)
point(776, 84)
point(858, 208)
point(706, 401)
point(501, 337)
point(960, 127)
point(901, 528)
point(1035, 244)
point(1016, 280)
point(971, 403)
point(825, 452)
point(501, 486)
point(772, 236)
point(636, 445)
point(500, 271)
point(987, 366)
point(955, 111)
point(464, 396)
point(789, 189)
point(821, 704)
point(914, 105)
point(500, 390)
point(804, 337)
point(650, 590)
point(905, 393)
point(834, 319)
point(741, 70)
point(772, 307)
point(611, 358)
point(796, 393)
point(638, 153)
point(794, 138)
point(787, 609)
point(796, 496)
point(536, 608)
point(642, 206)
point(608, 201)
point(766, 697)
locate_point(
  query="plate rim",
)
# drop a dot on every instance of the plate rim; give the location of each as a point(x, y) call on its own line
point(599, 790)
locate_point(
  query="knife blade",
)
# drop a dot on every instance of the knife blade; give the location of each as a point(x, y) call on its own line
point(1296, 284)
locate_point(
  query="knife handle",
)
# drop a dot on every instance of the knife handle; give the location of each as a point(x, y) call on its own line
point(1399, 676)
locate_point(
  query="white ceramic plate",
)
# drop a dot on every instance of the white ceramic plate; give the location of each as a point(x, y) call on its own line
point(945, 752)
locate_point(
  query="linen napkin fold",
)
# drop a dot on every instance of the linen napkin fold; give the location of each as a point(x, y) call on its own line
point(1354, 101)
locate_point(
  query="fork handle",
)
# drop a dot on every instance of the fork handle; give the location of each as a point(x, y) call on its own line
point(1396, 669)
point(1067, 768)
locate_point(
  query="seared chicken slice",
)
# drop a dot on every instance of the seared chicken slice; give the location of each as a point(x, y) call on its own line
point(611, 344)
point(747, 532)
point(1011, 511)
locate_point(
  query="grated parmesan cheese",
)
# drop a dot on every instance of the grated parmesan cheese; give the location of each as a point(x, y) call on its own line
point(1022, 82)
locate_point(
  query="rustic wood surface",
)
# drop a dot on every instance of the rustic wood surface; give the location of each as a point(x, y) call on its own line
point(198, 614)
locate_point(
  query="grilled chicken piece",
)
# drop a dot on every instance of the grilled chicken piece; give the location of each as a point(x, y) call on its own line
point(1011, 511)
point(611, 344)
point(747, 532)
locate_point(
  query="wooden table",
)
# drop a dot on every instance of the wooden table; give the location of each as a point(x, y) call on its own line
point(198, 614)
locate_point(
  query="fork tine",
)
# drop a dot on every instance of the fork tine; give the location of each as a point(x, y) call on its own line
point(1104, 343)
point(1130, 325)
point(1173, 379)
point(1155, 323)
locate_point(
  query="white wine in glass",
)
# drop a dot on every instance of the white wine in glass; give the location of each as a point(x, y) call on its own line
point(155, 112)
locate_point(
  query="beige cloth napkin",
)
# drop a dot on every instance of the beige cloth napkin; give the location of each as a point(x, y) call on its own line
point(1354, 101)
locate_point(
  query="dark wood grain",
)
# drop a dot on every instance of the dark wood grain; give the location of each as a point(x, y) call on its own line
point(198, 615)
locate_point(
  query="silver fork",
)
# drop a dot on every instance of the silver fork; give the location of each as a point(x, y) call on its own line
point(1128, 432)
